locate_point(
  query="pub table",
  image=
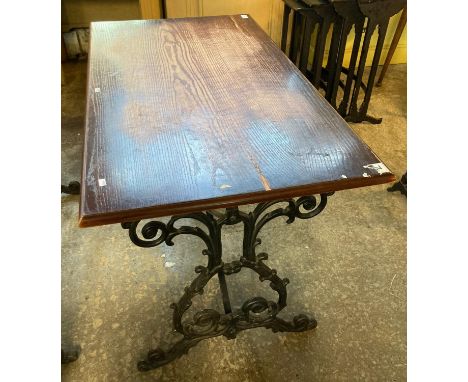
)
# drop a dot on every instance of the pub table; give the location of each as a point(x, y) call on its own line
point(188, 116)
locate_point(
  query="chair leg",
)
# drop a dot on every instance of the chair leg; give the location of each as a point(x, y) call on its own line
point(393, 45)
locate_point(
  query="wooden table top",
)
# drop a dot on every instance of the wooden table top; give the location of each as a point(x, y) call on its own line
point(192, 114)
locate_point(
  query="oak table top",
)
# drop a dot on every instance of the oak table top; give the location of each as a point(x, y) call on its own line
point(186, 115)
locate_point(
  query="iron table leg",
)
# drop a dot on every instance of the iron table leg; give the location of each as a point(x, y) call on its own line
point(393, 46)
point(256, 311)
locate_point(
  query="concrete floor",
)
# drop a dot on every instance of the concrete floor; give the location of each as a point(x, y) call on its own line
point(347, 266)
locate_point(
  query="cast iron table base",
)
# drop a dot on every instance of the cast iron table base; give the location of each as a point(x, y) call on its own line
point(255, 312)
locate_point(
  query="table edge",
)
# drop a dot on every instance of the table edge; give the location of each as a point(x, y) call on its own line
point(229, 201)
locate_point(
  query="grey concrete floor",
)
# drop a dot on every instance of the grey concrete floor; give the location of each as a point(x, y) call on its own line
point(347, 266)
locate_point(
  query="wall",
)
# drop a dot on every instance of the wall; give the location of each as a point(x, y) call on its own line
point(79, 13)
point(267, 13)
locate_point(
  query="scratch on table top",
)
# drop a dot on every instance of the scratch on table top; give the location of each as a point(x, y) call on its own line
point(265, 183)
point(263, 179)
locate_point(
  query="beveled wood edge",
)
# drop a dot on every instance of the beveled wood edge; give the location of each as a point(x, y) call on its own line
point(230, 201)
point(85, 130)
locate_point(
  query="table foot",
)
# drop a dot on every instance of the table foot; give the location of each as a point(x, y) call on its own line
point(208, 323)
point(255, 312)
point(401, 185)
point(73, 188)
point(70, 354)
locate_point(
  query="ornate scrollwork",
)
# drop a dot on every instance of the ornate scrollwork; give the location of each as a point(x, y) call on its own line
point(167, 232)
point(254, 312)
point(258, 309)
point(309, 203)
point(149, 231)
point(258, 218)
point(205, 322)
point(195, 288)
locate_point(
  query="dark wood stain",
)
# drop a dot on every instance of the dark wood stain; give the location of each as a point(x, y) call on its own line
point(192, 114)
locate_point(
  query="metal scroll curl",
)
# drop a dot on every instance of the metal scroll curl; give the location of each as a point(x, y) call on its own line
point(309, 204)
point(206, 322)
point(156, 232)
point(153, 232)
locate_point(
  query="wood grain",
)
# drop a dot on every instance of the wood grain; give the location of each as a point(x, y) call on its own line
point(189, 114)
